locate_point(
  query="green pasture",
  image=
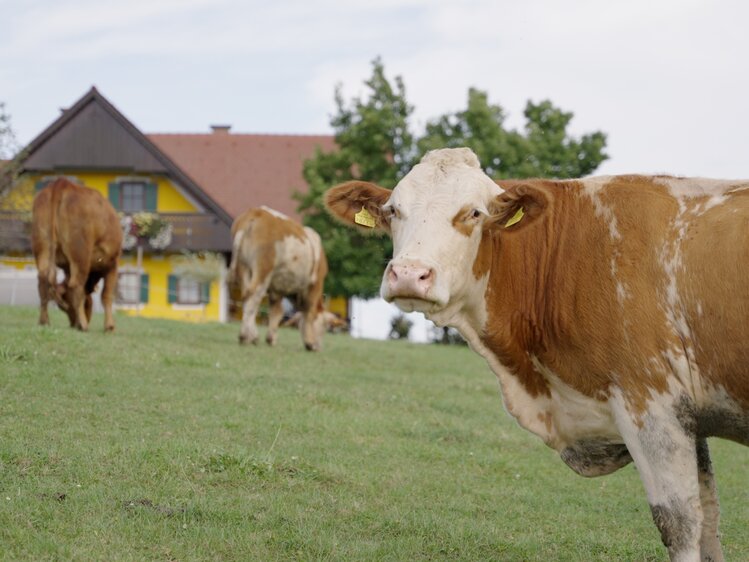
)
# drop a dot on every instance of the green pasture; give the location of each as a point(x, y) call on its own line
point(167, 441)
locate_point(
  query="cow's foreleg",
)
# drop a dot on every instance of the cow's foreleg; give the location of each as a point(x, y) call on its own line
point(274, 318)
point(710, 540)
point(664, 450)
point(248, 332)
point(107, 297)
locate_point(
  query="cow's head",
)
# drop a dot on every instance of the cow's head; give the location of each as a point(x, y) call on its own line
point(437, 216)
point(312, 326)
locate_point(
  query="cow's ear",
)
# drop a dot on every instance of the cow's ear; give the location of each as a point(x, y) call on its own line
point(517, 207)
point(359, 204)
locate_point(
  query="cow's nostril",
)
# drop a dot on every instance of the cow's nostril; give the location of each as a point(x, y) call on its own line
point(426, 276)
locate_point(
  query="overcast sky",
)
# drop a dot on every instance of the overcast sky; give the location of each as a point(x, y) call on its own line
point(667, 80)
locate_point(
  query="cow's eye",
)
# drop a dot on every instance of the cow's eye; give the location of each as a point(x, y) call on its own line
point(475, 214)
point(391, 212)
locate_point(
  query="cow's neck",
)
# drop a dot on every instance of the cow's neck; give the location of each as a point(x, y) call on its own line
point(522, 299)
point(524, 320)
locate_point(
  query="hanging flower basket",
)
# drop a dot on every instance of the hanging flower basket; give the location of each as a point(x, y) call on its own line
point(145, 227)
point(204, 267)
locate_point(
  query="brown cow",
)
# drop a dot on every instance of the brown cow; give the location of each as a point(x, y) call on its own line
point(75, 228)
point(613, 310)
point(275, 255)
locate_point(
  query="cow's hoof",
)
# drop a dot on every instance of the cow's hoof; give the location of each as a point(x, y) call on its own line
point(108, 329)
point(270, 341)
point(311, 347)
point(246, 340)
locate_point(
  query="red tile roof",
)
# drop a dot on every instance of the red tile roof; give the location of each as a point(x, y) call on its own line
point(240, 171)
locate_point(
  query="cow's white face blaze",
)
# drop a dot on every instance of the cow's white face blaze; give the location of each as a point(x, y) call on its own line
point(437, 212)
point(435, 217)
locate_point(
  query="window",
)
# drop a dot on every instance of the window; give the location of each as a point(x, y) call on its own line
point(132, 287)
point(132, 195)
point(183, 290)
point(188, 291)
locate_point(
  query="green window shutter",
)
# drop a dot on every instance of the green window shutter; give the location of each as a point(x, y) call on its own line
point(172, 289)
point(144, 288)
point(205, 293)
point(40, 184)
point(114, 195)
point(150, 189)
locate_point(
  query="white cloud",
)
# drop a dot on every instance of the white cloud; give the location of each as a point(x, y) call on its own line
point(666, 80)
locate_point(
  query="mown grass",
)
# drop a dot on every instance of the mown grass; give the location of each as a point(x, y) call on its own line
point(167, 441)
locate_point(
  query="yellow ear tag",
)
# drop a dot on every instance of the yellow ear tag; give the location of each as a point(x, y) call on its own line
point(515, 218)
point(364, 218)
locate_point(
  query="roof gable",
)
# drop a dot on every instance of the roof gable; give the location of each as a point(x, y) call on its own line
point(94, 135)
point(91, 134)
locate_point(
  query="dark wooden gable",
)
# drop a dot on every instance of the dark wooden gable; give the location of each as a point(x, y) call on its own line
point(90, 136)
point(93, 135)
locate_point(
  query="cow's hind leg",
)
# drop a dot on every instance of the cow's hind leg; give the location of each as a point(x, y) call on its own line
point(710, 541)
point(44, 294)
point(76, 296)
point(664, 448)
point(274, 318)
point(88, 304)
point(107, 298)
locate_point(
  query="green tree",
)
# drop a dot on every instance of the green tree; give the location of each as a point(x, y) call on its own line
point(8, 141)
point(10, 166)
point(545, 149)
point(375, 144)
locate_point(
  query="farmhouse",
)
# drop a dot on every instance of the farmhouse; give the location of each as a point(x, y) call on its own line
point(177, 195)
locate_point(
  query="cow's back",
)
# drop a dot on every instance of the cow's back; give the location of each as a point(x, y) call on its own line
point(713, 291)
point(682, 260)
point(268, 243)
point(72, 222)
point(652, 272)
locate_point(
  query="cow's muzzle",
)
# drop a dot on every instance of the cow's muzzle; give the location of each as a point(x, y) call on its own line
point(408, 280)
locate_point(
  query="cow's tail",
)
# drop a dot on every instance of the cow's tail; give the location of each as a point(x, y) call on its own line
point(55, 195)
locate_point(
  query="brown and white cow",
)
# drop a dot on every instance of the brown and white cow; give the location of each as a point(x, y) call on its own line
point(77, 229)
point(274, 255)
point(613, 310)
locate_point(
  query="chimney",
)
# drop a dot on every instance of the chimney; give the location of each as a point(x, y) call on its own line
point(220, 129)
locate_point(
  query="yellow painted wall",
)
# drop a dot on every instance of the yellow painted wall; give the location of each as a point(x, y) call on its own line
point(158, 269)
point(169, 198)
point(23, 262)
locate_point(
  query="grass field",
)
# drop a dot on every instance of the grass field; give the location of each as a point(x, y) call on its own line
point(167, 441)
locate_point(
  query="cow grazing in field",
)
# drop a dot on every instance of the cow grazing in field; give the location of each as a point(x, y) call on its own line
point(277, 256)
point(613, 310)
point(333, 322)
point(77, 229)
